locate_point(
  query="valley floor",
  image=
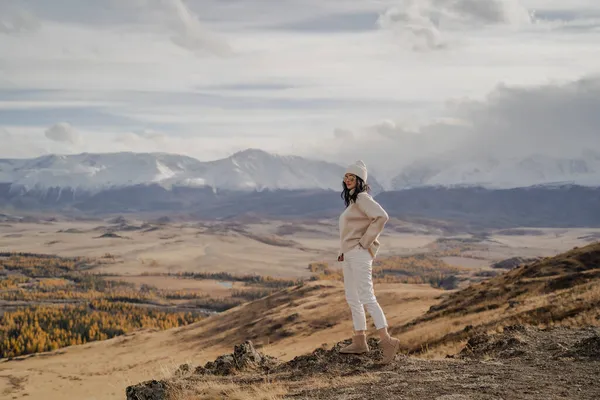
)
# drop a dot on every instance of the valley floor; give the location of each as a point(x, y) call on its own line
point(274, 248)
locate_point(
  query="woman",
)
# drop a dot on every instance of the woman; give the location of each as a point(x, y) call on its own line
point(361, 223)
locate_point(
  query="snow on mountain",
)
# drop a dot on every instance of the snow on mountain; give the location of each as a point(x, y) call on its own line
point(94, 171)
point(247, 170)
point(495, 173)
point(258, 170)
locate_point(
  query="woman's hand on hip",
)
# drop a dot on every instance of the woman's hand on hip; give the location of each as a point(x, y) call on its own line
point(341, 258)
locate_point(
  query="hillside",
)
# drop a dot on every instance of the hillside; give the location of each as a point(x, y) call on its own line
point(561, 293)
point(557, 299)
point(520, 363)
point(286, 324)
point(557, 291)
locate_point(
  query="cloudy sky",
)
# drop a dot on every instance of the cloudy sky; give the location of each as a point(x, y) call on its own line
point(388, 81)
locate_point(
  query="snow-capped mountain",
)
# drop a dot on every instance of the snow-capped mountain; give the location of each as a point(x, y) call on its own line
point(257, 169)
point(247, 170)
point(496, 173)
point(93, 172)
point(257, 183)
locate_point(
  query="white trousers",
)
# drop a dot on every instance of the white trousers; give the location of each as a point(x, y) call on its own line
point(358, 283)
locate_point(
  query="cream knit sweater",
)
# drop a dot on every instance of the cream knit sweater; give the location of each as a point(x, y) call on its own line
point(361, 223)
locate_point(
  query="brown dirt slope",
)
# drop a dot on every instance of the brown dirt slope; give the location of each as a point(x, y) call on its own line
point(565, 271)
point(558, 291)
point(521, 363)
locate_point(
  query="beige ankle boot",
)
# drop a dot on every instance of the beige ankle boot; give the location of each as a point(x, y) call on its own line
point(390, 347)
point(359, 345)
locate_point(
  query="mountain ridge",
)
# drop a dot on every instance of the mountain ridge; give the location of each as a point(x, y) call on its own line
point(267, 185)
point(494, 172)
point(247, 170)
point(256, 169)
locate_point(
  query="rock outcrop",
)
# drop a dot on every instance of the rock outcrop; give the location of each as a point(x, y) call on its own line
point(523, 362)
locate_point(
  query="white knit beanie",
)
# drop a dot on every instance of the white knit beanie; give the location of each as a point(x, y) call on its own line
point(359, 169)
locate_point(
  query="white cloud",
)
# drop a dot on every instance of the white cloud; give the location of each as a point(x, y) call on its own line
point(15, 147)
point(143, 141)
point(555, 119)
point(190, 34)
point(560, 119)
point(16, 20)
point(63, 132)
point(210, 76)
point(50, 104)
point(429, 24)
point(18, 142)
point(174, 18)
point(207, 148)
point(343, 134)
point(509, 12)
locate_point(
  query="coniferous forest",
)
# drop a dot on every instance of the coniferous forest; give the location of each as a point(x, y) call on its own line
point(52, 302)
point(49, 302)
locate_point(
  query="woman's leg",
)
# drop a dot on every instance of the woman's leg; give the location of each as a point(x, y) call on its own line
point(363, 275)
point(359, 319)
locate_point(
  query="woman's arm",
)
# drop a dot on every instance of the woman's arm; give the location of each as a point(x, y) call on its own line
point(378, 217)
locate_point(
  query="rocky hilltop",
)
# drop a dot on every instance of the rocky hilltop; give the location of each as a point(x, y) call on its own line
point(522, 362)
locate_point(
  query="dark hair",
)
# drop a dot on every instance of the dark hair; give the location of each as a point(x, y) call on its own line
point(350, 198)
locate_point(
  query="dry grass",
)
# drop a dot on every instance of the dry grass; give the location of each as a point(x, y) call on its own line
point(272, 388)
point(174, 283)
point(173, 248)
point(209, 389)
point(559, 291)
